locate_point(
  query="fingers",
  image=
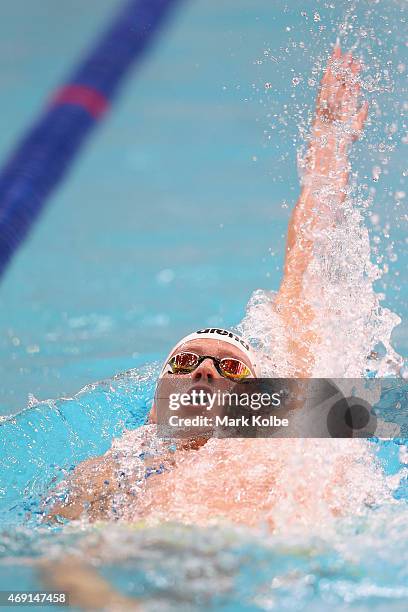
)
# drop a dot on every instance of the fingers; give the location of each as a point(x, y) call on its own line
point(349, 101)
point(328, 73)
point(337, 50)
point(355, 67)
point(360, 118)
point(342, 94)
point(329, 82)
point(343, 65)
point(346, 60)
point(340, 90)
point(364, 111)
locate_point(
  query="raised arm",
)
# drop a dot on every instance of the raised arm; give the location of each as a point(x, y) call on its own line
point(338, 122)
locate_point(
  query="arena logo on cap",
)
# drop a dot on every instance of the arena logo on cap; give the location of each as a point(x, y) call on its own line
point(224, 332)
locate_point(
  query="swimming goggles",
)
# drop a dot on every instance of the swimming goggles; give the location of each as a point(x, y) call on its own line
point(229, 367)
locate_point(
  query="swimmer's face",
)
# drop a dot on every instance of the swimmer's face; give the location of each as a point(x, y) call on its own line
point(206, 373)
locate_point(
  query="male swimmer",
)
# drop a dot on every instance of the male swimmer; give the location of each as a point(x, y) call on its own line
point(131, 474)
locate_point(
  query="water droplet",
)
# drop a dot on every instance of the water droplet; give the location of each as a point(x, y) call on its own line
point(32, 348)
point(32, 401)
point(376, 173)
point(166, 276)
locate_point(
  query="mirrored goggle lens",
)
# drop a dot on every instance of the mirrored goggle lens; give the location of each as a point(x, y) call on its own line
point(235, 369)
point(183, 362)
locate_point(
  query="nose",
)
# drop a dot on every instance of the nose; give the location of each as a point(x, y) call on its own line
point(205, 371)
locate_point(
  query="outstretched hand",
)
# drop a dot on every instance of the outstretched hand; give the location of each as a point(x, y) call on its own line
point(338, 99)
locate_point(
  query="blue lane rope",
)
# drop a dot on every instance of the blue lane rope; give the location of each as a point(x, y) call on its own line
point(45, 153)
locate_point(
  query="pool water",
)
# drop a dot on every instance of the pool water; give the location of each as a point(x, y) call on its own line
point(179, 567)
point(173, 214)
point(355, 562)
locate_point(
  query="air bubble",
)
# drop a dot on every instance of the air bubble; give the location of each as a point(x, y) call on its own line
point(166, 276)
point(376, 173)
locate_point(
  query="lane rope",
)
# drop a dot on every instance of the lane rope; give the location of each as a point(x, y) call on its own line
point(46, 152)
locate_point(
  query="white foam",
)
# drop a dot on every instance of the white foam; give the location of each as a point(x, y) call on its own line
point(349, 318)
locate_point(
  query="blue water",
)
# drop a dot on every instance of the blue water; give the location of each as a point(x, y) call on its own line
point(219, 568)
point(166, 223)
point(180, 176)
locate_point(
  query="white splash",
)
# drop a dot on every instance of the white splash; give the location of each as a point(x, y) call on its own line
point(349, 319)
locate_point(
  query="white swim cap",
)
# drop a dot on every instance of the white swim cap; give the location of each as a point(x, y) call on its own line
point(224, 335)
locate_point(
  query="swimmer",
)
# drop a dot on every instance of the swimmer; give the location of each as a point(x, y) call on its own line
point(205, 357)
point(203, 480)
point(106, 487)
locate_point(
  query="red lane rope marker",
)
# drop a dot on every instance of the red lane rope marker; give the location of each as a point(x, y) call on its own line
point(91, 100)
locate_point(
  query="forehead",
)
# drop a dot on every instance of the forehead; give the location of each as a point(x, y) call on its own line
point(215, 348)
